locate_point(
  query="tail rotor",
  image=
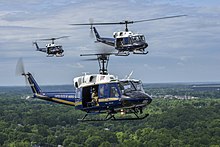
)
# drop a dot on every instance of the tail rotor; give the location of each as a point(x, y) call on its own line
point(28, 77)
point(20, 67)
point(20, 70)
point(91, 34)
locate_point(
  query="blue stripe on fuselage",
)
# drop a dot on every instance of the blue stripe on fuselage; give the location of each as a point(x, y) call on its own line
point(68, 96)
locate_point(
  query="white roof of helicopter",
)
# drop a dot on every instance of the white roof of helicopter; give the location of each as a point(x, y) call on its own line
point(52, 45)
point(93, 79)
point(122, 34)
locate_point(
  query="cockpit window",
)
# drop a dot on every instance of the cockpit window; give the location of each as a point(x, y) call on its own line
point(135, 38)
point(142, 37)
point(138, 38)
point(138, 85)
point(129, 86)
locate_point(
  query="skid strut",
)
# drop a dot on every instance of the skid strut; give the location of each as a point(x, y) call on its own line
point(111, 116)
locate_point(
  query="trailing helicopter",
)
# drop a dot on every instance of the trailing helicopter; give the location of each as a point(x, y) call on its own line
point(125, 41)
point(101, 93)
point(51, 49)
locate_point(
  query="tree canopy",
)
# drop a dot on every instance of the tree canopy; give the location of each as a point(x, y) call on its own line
point(172, 122)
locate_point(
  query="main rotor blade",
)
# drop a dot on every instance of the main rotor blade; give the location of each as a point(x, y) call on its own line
point(101, 23)
point(91, 59)
point(99, 54)
point(167, 17)
point(127, 21)
point(47, 39)
point(91, 22)
point(62, 37)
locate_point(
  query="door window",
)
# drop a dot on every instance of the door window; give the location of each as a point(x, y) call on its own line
point(103, 91)
point(114, 91)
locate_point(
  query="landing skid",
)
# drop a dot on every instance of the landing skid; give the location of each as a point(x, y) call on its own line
point(122, 53)
point(50, 55)
point(111, 116)
point(59, 55)
point(141, 52)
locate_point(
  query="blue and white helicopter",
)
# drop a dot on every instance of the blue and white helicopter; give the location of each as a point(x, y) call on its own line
point(101, 93)
point(125, 41)
point(51, 49)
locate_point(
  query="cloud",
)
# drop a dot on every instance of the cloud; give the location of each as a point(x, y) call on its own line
point(180, 64)
point(154, 68)
point(76, 65)
point(173, 43)
point(185, 58)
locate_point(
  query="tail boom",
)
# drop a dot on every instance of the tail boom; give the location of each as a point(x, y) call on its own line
point(67, 98)
point(108, 41)
point(38, 48)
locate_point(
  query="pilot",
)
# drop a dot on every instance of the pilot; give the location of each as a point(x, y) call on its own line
point(95, 97)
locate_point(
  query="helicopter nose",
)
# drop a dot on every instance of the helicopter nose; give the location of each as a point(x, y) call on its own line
point(146, 45)
point(147, 100)
point(137, 98)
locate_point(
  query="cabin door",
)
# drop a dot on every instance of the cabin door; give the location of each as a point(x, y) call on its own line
point(87, 100)
point(86, 96)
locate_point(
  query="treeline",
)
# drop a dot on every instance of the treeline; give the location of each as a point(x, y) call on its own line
point(183, 90)
point(25, 123)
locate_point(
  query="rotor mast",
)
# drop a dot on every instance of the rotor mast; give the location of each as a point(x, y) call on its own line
point(103, 63)
point(126, 22)
point(103, 60)
point(52, 39)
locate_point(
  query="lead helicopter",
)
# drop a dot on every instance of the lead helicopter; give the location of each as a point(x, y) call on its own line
point(51, 49)
point(125, 41)
point(101, 93)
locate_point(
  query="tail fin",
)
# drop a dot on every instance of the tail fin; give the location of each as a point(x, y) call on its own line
point(38, 48)
point(34, 86)
point(96, 33)
point(35, 43)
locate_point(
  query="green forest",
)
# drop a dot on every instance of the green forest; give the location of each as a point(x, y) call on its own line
point(172, 123)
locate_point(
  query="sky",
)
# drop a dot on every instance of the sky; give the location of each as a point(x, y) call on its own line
point(184, 49)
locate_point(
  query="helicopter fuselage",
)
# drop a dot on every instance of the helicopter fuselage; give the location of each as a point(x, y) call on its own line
point(128, 41)
point(54, 49)
point(113, 95)
point(125, 42)
point(51, 49)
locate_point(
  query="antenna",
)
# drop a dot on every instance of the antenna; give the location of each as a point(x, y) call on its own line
point(129, 76)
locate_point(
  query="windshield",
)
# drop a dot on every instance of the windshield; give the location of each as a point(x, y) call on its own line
point(142, 38)
point(138, 85)
point(126, 86)
point(129, 86)
point(138, 38)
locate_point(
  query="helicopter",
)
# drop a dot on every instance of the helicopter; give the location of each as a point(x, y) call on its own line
point(125, 41)
point(113, 95)
point(51, 48)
